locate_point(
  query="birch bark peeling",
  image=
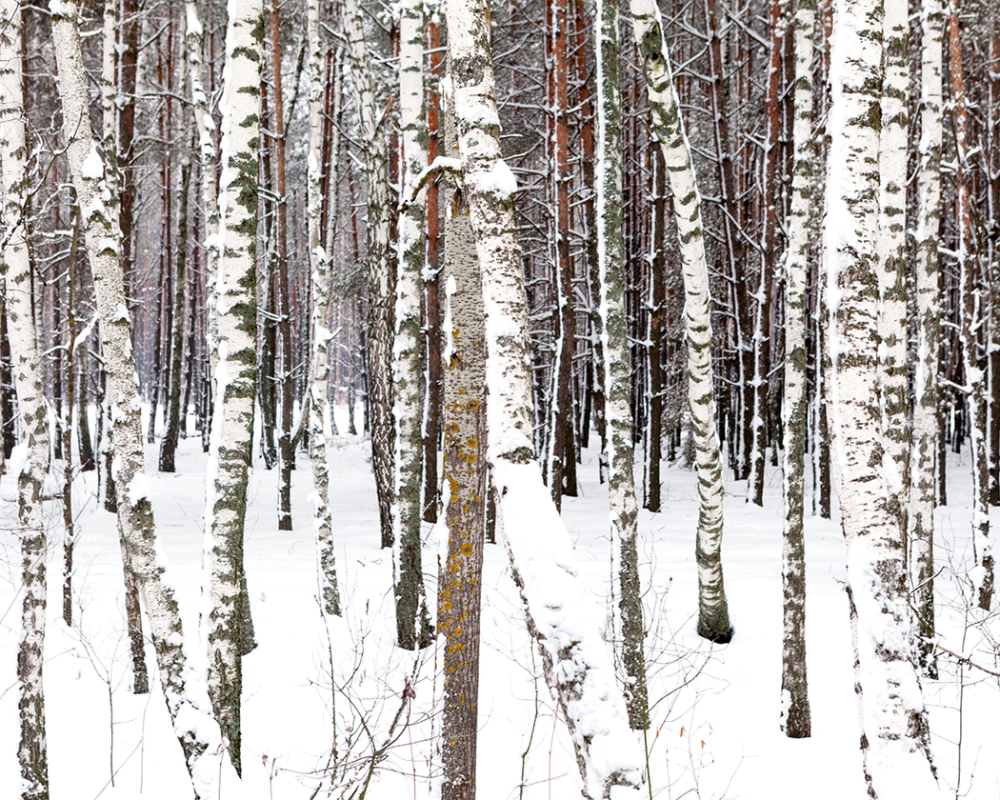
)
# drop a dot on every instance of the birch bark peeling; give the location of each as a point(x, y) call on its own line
point(577, 667)
point(667, 126)
point(183, 688)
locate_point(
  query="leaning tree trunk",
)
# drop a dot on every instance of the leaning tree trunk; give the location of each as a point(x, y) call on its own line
point(187, 702)
point(668, 128)
point(577, 667)
point(412, 625)
point(895, 748)
point(617, 366)
point(27, 376)
point(234, 380)
point(926, 429)
point(319, 263)
point(795, 714)
point(378, 259)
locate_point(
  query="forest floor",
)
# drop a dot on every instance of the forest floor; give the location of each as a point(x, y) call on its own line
point(715, 709)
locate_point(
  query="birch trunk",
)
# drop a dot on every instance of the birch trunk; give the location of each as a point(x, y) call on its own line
point(577, 667)
point(187, 702)
point(412, 625)
point(795, 714)
point(926, 429)
point(617, 366)
point(893, 366)
point(28, 381)
point(319, 263)
point(378, 260)
point(235, 376)
point(894, 733)
point(668, 128)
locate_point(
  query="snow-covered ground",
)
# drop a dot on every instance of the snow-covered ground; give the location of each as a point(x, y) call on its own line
point(715, 709)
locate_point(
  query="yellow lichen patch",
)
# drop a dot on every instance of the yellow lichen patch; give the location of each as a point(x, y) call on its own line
point(467, 549)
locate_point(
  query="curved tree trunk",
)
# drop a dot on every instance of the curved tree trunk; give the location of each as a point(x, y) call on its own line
point(666, 123)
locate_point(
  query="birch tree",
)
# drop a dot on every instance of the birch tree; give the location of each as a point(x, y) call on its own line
point(411, 613)
point(27, 376)
point(235, 375)
point(185, 695)
point(926, 426)
point(577, 667)
point(668, 128)
point(319, 270)
point(893, 720)
point(795, 715)
point(616, 360)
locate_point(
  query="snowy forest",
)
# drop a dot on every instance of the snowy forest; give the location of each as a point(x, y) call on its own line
point(381, 381)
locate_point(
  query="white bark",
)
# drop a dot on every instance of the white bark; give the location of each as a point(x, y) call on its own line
point(923, 455)
point(616, 361)
point(407, 350)
point(577, 666)
point(183, 688)
point(319, 263)
point(891, 708)
point(28, 384)
point(194, 39)
point(235, 375)
point(893, 376)
point(795, 719)
point(667, 126)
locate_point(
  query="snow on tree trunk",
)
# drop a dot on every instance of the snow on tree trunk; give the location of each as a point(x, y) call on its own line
point(668, 128)
point(464, 491)
point(235, 375)
point(616, 361)
point(319, 270)
point(894, 733)
point(26, 374)
point(923, 455)
point(183, 689)
point(893, 366)
point(378, 260)
point(412, 626)
point(577, 666)
point(795, 714)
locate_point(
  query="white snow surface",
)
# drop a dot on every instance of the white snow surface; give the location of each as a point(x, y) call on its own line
point(715, 717)
point(93, 165)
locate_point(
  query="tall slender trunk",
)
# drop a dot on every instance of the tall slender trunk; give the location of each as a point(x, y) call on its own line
point(319, 263)
point(926, 426)
point(795, 713)
point(666, 123)
point(286, 453)
point(227, 626)
point(28, 380)
point(617, 371)
point(412, 623)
